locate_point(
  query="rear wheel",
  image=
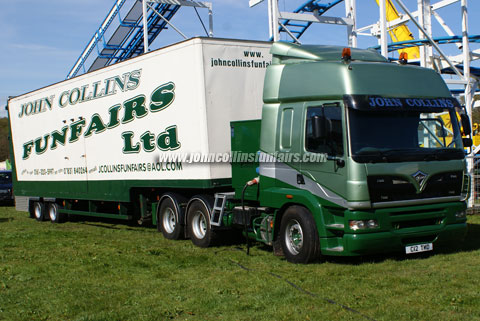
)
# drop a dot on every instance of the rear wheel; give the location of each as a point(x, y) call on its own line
point(168, 220)
point(39, 211)
point(54, 213)
point(299, 236)
point(198, 222)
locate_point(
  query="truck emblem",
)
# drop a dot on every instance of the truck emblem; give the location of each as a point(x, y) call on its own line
point(420, 177)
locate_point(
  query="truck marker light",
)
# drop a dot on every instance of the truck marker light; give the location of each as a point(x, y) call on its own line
point(347, 54)
point(403, 59)
point(289, 196)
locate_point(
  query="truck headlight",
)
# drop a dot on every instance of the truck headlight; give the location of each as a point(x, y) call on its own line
point(372, 224)
point(363, 224)
point(461, 214)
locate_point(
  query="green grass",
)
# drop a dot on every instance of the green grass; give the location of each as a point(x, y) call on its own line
point(105, 270)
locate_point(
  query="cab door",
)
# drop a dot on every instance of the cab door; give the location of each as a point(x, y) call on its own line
point(324, 154)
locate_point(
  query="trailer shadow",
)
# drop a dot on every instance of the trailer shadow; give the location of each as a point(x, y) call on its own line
point(222, 238)
point(109, 223)
point(470, 243)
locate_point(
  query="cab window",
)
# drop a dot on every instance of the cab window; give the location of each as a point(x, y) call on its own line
point(332, 144)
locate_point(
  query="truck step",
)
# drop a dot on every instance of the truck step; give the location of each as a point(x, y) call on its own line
point(219, 207)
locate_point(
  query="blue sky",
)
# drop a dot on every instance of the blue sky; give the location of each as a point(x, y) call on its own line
point(41, 40)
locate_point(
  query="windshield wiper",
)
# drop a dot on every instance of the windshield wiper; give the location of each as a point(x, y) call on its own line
point(373, 155)
point(443, 154)
point(384, 154)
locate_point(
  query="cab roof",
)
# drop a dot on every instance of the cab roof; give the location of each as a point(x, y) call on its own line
point(287, 52)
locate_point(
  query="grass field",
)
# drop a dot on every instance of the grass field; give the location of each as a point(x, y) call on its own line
point(106, 270)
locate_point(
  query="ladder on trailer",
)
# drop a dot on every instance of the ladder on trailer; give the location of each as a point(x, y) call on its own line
point(219, 207)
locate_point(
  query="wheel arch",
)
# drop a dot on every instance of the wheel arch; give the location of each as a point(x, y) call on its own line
point(177, 200)
point(303, 199)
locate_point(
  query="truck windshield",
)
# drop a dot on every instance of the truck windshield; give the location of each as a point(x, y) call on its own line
point(404, 135)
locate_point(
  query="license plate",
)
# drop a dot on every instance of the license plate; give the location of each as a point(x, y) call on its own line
point(419, 248)
point(3, 191)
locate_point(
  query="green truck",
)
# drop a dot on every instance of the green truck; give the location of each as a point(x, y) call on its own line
point(350, 154)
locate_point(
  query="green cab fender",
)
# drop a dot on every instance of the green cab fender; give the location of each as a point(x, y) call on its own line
point(282, 198)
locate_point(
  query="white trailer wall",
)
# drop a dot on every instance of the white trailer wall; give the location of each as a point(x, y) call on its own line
point(215, 81)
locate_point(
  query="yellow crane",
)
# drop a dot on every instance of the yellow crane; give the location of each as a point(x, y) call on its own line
point(400, 33)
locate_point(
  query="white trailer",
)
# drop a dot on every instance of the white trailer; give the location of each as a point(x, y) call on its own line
point(100, 134)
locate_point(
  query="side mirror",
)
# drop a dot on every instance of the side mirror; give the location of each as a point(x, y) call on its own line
point(465, 120)
point(321, 126)
point(467, 142)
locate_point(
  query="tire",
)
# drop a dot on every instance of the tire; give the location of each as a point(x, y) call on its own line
point(198, 223)
point(31, 210)
point(39, 211)
point(54, 213)
point(169, 219)
point(299, 236)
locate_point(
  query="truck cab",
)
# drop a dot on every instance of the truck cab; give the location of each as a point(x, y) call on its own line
point(366, 151)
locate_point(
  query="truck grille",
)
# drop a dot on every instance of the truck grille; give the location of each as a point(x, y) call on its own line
point(396, 188)
point(417, 223)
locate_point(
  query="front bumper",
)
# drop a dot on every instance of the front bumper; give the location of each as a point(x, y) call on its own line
point(399, 227)
point(358, 244)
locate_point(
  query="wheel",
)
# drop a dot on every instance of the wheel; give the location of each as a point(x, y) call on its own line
point(54, 213)
point(31, 211)
point(169, 219)
point(198, 223)
point(299, 236)
point(39, 211)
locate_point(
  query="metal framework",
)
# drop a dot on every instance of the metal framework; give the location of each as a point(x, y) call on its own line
point(128, 29)
point(147, 5)
point(296, 23)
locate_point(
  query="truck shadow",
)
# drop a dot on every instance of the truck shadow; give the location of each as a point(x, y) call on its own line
point(226, 239)
point(221, 239)
point(109, 223)
point(470, 243)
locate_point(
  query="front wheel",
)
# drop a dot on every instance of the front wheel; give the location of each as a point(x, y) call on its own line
point(198, 222)
point(299, 236)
